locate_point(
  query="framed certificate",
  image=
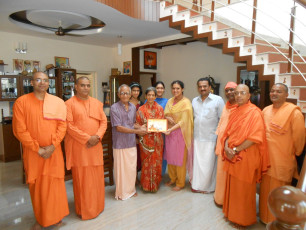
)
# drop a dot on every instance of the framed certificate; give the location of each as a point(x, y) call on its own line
point(157, 125)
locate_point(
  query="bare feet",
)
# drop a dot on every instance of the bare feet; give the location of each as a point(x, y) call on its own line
point(135, 194)
point(169, 183)
point(59, 223)
point(237, 226)
point(177, 189)
point(36, 226)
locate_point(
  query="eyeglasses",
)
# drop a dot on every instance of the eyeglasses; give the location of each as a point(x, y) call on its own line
point(124, 93)
point(39, 80)
point(240, 92)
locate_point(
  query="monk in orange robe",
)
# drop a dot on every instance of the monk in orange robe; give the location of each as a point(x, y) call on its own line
point(285, 129)
point(246, 159)
point(86, 125)
point(39, 123)
point(229, 107)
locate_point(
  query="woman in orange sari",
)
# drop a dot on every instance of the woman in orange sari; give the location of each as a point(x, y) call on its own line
point(151, 144)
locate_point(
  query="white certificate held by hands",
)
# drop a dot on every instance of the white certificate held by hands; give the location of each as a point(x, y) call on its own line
point(157, 125)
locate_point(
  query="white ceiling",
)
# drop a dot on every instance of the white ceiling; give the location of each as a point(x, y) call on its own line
point(117, 24)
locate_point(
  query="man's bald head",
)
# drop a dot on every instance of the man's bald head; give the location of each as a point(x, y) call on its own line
point(242, 94)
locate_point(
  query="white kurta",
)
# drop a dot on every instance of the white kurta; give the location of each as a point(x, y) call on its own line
point(206, 117)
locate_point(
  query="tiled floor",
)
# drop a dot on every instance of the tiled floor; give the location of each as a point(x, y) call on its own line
point(162, 210)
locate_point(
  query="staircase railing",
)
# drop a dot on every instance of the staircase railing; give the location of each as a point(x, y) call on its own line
point(198, 6)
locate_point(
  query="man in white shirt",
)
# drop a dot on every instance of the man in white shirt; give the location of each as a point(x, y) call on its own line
point(207, 109)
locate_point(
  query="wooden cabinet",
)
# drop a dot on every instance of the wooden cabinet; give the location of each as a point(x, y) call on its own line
point(9, 145)
point(9, 87)
point(115, 81)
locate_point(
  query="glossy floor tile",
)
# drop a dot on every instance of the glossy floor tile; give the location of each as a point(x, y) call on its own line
point(163, 210)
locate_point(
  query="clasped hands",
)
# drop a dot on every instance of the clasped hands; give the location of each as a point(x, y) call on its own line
point(93, 140)
point(230, 153)
point(46, 152)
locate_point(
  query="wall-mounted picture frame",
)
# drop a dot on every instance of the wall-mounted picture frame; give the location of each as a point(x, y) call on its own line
point(61, 62)
point(127, 67)
point(17, 65)
point(36, 65)
point(150, 60)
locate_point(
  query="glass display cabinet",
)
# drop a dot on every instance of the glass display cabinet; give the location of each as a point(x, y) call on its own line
point(9, 88)
point(66, 79)
point(26, 85)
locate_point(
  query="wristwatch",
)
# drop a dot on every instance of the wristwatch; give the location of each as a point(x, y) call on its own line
point(235, 149)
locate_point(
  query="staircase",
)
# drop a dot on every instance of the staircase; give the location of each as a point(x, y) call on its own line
point(260, 56)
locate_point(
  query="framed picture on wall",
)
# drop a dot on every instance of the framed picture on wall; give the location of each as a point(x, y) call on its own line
point(150, 60)
point(61, 62)
point(127, 67)
point(17, 65)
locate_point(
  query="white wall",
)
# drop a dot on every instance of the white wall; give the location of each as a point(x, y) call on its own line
point(82, 57)
point(190, 62)
point(186, 63)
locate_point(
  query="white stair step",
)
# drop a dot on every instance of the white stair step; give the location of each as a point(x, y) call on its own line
point(302, 105)
point(272, 68)
point(194, 21)
point(294, 92)
point(207, 27)
point(259, 59)
point(167, 11)
point(224, 33)
point(248, 50)
point(182, 15)
point(236, 41)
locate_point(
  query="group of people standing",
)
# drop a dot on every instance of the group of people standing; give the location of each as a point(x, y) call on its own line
point(226, 149)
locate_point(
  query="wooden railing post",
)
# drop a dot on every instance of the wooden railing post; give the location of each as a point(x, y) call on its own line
point(254, 21)
point(212, 14)
point(302, 180)
point(291, 39)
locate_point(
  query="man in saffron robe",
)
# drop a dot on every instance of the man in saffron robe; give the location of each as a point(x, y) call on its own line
point(229, 107)
point(86, 125)
point(39, 123)
point(123, 117)
point(246, 159)
point(285, 129)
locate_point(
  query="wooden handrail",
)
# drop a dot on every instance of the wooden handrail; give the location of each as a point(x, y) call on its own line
point(302, 2)
point(254, 21)
point(291, 39)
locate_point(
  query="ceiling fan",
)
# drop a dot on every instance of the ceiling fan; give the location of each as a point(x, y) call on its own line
point(60, 23)
point(61, 31)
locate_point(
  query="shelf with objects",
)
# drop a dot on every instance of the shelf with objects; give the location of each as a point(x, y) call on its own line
point(66, 81)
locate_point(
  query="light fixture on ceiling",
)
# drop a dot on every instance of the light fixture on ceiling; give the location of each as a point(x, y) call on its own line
point(21, 47)
point(119, 49)
point(119, 46)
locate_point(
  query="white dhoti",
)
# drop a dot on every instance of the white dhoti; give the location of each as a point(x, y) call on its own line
point(204, 166)
point(125, 167)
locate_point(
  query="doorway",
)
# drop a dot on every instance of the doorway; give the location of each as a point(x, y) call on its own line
point(259, 86)
point(146, 79)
